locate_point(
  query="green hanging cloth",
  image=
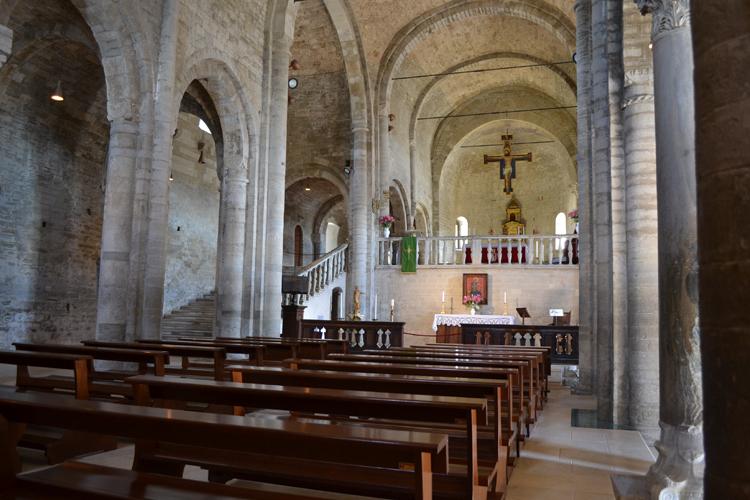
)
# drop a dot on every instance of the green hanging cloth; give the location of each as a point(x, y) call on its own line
point(409, 254)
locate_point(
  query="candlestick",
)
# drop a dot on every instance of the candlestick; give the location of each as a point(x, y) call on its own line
point(451, 305)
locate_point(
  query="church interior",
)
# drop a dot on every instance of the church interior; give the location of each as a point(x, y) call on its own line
point(336, 249)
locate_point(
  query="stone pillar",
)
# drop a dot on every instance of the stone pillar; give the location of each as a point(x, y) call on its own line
point(721, 40)
point(359, 223)
point(585, 246)
point(114, 270)
point(6, 44)
point(275, 192)
point(158, 196)
point(678, 472)
point(602, 207)
point(642, 253)
point(231, 252)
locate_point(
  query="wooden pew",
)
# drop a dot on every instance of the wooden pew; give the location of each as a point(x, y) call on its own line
point(218, 355)
point(362, 404)
point(254, 353)
point(214, 436)
point(496, 392)
point(535, 371)
point(525, 387)
point(103, 383)
point(56, 447)
point(542, 353)
point(84, 481)
point(512, 374)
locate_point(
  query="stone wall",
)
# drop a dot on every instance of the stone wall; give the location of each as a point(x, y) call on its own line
point(418, 296)
point(51, 179)
point(193, 217)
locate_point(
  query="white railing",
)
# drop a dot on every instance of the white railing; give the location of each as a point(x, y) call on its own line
point(325, 269)
point(522, 250)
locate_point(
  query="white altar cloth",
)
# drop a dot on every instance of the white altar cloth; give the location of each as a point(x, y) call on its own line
point(473, 319)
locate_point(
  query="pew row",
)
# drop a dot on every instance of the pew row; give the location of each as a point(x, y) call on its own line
point(225, 439)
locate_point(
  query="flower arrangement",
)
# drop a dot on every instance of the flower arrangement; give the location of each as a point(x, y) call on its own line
point(387, 220)
point(472, 300)
point(574, 215)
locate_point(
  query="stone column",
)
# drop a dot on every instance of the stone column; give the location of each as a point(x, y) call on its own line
point(678, 472)
point(585, 246)
point(231, 252)
point(721, 40)
point(359, 223)
point(6, 44)
point(602, 207)
point(165, 116)
point(114, 271)
point(275, 192)
point(642, 252)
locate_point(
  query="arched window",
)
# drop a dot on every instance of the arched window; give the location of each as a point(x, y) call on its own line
point(462, 229)
point(560, 228)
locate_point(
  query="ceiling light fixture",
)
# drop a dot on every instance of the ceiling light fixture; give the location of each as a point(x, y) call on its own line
point(307, 189)
point(57, 95)
point(293, 83)
point(171, 178)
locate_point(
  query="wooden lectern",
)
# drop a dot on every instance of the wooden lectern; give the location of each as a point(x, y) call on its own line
point(523, 313)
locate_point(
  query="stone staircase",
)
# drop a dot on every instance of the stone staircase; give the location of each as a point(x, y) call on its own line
point(195, 319)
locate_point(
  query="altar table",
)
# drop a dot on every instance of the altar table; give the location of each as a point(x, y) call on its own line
point(448, 326)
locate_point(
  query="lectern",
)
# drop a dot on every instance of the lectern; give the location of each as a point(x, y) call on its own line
point(523, 313)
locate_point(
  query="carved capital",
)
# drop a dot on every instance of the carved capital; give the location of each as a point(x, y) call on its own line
point(668, 14)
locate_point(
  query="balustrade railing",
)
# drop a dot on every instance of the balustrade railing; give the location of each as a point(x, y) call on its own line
point(324, 270)
point(521, 250)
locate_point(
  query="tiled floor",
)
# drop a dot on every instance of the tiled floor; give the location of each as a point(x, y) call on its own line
point(561, 462)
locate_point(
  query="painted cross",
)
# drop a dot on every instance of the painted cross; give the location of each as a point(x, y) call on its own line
point(507, 163)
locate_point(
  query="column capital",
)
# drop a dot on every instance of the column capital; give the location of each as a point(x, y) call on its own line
point(668, 14)
point(579, 4)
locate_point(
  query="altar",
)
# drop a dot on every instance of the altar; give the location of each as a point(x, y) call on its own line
point(448, 326)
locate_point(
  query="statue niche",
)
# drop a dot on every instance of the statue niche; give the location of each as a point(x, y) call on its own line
point(514, 224)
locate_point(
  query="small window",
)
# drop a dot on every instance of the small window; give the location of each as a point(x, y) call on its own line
point(202, 125)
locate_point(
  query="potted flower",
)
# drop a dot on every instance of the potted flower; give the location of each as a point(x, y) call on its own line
point(472, 302)
point(574, 215)
point(385, 222)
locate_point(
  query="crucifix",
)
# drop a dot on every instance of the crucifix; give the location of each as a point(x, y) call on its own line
point(507, 163)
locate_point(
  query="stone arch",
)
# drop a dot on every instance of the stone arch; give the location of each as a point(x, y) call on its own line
point(320, 216)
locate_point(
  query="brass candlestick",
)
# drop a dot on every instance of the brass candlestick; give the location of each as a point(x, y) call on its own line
point(393, 314)
point(442, 308)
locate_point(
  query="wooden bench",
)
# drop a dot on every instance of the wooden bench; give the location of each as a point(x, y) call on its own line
point(56, 447)
point(525, 387)
point(496, 392)
point(217, 355)
point(535, 371)
point(107, 383)
point(361, 404)
point(499, 374)
point(84, 481)
point(223, 439)
point(254, 353)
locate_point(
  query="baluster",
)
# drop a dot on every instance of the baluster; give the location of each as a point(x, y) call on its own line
point(537, 340)
point(527, 338)
point(316, 331)
point(388, 339)
point(361, 338)
point(352, 337)
point(341, 334)
point(380, 339)
point(427, 244)
point(323, 333)
point(517, 336)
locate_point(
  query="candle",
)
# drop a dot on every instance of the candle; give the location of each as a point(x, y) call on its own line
point(375, 315)
point(505, 297)
point(443, 299)
point(393, 303)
